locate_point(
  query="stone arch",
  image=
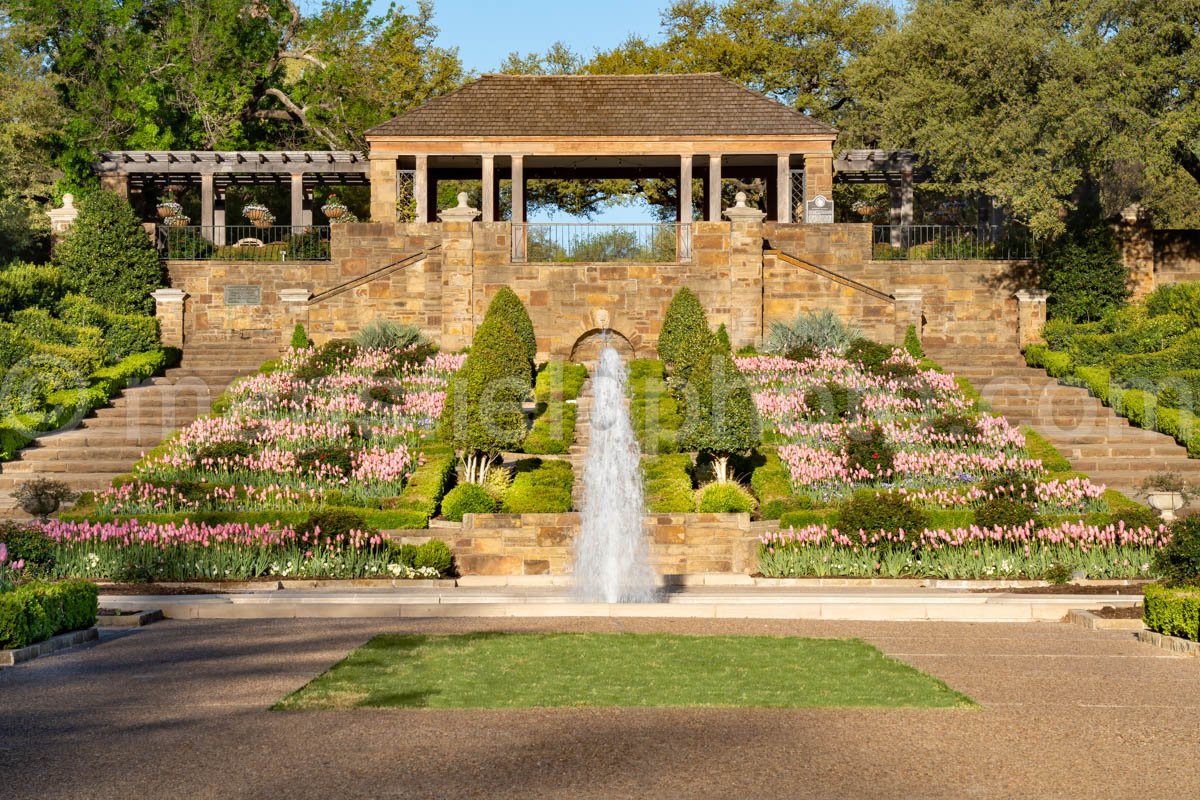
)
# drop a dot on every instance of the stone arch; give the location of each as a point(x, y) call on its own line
point(588, 345)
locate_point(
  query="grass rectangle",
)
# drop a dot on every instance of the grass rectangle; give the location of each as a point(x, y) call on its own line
point(511, 670)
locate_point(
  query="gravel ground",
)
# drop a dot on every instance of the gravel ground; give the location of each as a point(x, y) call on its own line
point(178, 709)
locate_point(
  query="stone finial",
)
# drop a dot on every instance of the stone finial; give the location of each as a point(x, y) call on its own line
point(460, 213)
point(62, 218)
point(740, 212)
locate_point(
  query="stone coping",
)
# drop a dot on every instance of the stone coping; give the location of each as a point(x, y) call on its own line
point(130, 620)
point(62, 641)
point(1086, 619)
point(1174, 644)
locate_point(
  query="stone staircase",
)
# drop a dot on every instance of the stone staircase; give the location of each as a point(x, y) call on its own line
point(1095, 440)
point(109, 442)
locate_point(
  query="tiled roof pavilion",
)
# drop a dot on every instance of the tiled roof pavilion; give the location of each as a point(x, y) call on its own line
point(522, 127)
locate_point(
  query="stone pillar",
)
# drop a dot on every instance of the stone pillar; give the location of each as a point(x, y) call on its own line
point(902, 207)
point(818, 178)
point(168, 307)
point(1135, 235)
point(488, 187)
point(118, 183)
point(61, 219)
point(421, 188)
point(518, 188)
point(383, 188)
point(685, 189)
point(745, 272)
point(296, 218)
point(910, 310)
point(208, 202)
point(1031, 316)
point(295, 310)
point(712, 192)
point(783, 188)
point(458, 274)
point(219, 219)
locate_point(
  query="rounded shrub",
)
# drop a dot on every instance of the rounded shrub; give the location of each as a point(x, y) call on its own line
point(724, 498)
point(328, 524)
point(721, 417)
point(434, 554)
point(868, 449)
point(508, 307)
point(384, 334)
point(467, 498)
point(830, 401)
point(1136, 518)
point(1178, 563)
point(1084, 274)
point(328, 358)
point(1004, 512)
point(30, 545)
point(873, 512)
point(545, 489)
point(869, 354)
point(299, 337)
point(107, 256)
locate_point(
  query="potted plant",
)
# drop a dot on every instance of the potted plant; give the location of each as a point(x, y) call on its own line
point(334, 208)
point(177, 221)
point(255, 211)
point(169, 207)
point(264, 221)
point(864, 208)
point(41, 497)
point(1167, 492)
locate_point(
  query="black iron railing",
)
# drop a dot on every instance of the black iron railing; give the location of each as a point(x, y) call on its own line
point(244, 242)
point(952, 243)
point(572, 242)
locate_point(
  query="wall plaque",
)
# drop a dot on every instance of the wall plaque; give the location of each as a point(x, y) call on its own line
point(819, 210)
point(243, 295)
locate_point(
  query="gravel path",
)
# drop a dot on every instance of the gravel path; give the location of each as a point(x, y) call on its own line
point(179, 710)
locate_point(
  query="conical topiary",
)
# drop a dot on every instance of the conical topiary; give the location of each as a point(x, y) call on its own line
point(508, 306)
point(721, 418)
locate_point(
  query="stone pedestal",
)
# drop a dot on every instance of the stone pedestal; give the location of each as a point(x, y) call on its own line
point(458, 271)
point(168, 308)
point(1031, 316)
point(910, 310)
point(745, 272)
point(818, 178)
point(295, 309)
point(61, 219)
point(383, 188)
point(1135, 236)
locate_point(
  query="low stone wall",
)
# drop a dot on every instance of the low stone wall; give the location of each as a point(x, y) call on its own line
point(541, 544)
point(1176, 256)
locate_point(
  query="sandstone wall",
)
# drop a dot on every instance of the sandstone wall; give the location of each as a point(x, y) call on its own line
point(1176, 256)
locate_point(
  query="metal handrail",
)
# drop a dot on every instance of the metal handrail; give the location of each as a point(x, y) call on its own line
point(952, 243)
point(243, 242)
point(601, 242)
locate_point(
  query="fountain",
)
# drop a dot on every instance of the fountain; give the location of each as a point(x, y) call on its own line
point(611, 556)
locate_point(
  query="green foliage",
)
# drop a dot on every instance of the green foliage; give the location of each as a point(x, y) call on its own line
point(868, 449)
point(772, 485)
point(299, 337)
point(332, 526)
point(723, 338)
point(28, 544)
point(1183, 354)
point(508, 307)
point(724, 498)
point(1172, 611)
point(810, 331)
point(1084, 274)
point(30, 285)
point(1181, 300)
point(669, 484)
point(434, 554)
point(870, 354)
point(543, 490)
point(553, 431)
point(831, 401)
point(107, 256)
point(387, 335)
point(912, 343)
point(559, 380)
point(1004, 512)
point(423, 492)
point(1043, 451)
point(327, 359)
point(721, 417)
point(483, 409)
point(685, 336)
point(124, 334)
point(467, 498)
point(1178, 563)
point(654, 411)
point(35, 612)
point(873, 512)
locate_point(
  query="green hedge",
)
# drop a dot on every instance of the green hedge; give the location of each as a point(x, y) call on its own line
point(669, 483)
point(424, 491)
point(35, 612)
point(1174, 612)
point(654, 410)
point(772, 485)
point(559, 380)
point(541, 489)
point(553, 431)
point(724, 498)
point(467, 498)
point(124, 334)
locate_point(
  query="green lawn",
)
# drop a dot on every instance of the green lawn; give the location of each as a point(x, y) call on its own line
point(500, 670)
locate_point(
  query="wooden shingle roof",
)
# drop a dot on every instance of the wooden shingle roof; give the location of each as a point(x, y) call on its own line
point(705, 104)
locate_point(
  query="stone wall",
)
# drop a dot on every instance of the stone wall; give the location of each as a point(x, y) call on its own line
point(1176, 256)
point(541, 544)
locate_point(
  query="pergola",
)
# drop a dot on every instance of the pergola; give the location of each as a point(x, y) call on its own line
point(124, 171)
point(587, 127)
point(896, 168)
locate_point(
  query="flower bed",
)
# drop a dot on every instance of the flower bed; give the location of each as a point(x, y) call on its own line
point(298, 437)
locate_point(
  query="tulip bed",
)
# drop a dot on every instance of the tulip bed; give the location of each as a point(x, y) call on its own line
point(904, 429)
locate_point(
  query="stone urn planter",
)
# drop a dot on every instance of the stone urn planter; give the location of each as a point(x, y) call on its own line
point(41, 497)
point(1166, 503)
point(255, 212)
point(334, 208)
point(168, 209)
point(177, 221)
point(264, 221)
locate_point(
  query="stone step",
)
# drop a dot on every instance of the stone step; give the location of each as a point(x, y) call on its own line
point(1120, 450)
point(80, 481)
point(82, 454)
point(115, 466)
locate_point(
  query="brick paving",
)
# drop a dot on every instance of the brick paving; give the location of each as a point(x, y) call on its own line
point(179, 709)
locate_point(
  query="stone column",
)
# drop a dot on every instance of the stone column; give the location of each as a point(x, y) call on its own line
point(421, 188)
point(745, 272)
point(1135, 236)
point(168, 308)
point(219, 218)
point(208, 202)
point(818, 178)
point(297, 214)
point(488, 186)
point(518, 208)
point(61, 219)
point(910, 310)
point(383, 187)
point(685, 189)
point(712, 193)
point(118, 183)
point(295, 312)
point(458, 274)
point(783, 188)
point(1031, 316)
point(902, 207)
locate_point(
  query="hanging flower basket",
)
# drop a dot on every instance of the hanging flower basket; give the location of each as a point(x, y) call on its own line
point(168, 209)
point(255, 212)
point(265, 220)
point(334, 209)
point(177, 221)
point(342, 219)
